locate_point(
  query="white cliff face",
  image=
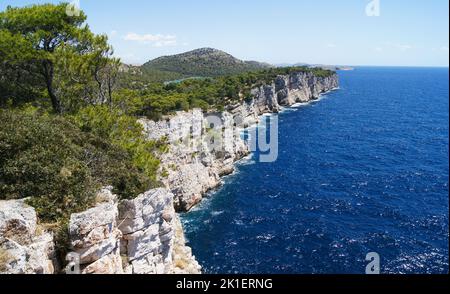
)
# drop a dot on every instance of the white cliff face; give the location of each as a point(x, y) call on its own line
point(144, 235)
point(135, 236)
point(25, 248)
point(139, 236)
point(191, 167)
point(288, 90)
point(95, 237)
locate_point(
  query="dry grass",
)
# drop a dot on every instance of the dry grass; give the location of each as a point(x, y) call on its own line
point(5, 258)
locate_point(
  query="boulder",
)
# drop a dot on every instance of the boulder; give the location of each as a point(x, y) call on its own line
point(17, 221)
point(23, 248)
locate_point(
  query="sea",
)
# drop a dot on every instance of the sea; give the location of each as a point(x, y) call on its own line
point(362, 171)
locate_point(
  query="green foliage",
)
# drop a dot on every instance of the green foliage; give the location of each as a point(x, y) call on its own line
point(52, 63)
point(157, 99)
point(123, 131)
point(204, 62)
point(58, 167)
point(53, 55)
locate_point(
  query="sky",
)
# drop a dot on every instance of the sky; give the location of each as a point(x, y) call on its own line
point(347, 32)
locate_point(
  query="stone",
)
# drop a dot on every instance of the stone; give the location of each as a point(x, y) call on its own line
point(23, 248)
point(81, 224)
point(17, 221)
point(143, 242)
point(149, 264)
point(41, 255)
point(107, 265)
point(13, 257)
point(143, 211)
point(99, 250)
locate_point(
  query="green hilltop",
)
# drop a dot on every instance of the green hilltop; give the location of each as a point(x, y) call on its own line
point(203, 62)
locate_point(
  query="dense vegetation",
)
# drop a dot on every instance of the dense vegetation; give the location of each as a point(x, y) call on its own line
point(48, 56)
point(69, 109)
point(60, 166)
point(156, 99)
point(61, 137)
point(204, 62)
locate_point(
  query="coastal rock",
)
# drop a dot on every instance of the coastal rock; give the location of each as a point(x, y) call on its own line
point(41, 255)
point(183, 260)
point(190, 182)
point(202, 149)
point(149, 223)
point(17, 221)
point(106, 265)
point(24, 248)
point(135, 236)
point(94, 234)
point(143, 242)
point(193, 165)
point(94, 226)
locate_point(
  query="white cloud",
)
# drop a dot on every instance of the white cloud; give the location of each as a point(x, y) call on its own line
point(331, 45)
point(113, 33)
point(404, 47)
point(378, 49)
point(154, 40)
point(444, 48)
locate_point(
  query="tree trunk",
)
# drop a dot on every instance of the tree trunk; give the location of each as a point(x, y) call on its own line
point(48, 75)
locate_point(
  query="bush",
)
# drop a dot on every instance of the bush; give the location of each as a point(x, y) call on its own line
point(124, 132)
point(156, 100)
point(58, 167)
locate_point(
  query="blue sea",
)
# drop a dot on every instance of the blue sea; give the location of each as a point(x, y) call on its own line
point(365, 169)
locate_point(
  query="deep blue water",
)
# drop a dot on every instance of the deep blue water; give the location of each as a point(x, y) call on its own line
point(363, 170)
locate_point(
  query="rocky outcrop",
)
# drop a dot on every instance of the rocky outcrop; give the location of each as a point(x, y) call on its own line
point(144, 235)
point(192, 167)
point(284, 91)
point(135, 236)
point(25, 247)
point(95, 237)
point(139, 236)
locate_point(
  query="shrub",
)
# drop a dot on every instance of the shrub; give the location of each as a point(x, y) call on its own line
point(124, 132)
point(58, 167)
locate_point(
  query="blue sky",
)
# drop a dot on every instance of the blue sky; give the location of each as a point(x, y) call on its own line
point(406, 32)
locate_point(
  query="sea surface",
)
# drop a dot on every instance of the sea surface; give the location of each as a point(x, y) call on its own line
point(365, 169)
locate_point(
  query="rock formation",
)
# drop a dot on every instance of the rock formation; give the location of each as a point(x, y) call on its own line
point(144, 235)
point(191, 168)
point(25, 248)
point(137, 236)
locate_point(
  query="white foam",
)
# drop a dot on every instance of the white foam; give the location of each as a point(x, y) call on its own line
point(300, 104)
point(217, 213)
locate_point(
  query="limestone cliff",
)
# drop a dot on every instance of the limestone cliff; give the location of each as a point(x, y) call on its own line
point(138, 236)
point(190, 167)
point(144, 235)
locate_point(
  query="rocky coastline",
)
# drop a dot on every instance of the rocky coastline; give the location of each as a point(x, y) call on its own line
point(145, 235)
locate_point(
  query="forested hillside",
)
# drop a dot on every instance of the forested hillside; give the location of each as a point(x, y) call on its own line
point(69, 109)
